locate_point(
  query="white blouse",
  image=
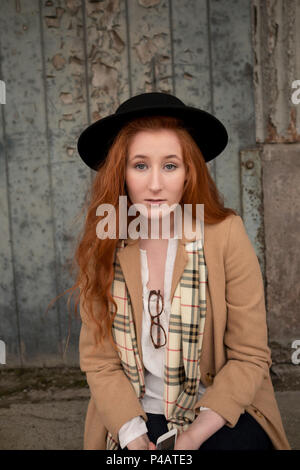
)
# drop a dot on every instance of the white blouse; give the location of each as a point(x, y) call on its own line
point(153, 359)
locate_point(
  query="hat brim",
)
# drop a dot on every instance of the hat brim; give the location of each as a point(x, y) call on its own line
point(208, 132)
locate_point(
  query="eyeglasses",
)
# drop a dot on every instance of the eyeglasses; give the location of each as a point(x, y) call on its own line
point(158, 295)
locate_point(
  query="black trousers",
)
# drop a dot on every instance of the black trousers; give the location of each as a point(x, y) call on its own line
point(247, 434)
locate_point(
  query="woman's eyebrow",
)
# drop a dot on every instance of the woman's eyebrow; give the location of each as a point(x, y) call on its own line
point(145, 156)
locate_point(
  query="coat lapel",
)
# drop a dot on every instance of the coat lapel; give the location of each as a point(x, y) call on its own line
point(129, 259)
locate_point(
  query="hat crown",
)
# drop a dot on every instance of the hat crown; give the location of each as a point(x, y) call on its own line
point(149, 100)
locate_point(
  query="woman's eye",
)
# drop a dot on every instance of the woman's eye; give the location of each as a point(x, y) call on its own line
point(171, 164)
point(138, 164)
point(168, 164)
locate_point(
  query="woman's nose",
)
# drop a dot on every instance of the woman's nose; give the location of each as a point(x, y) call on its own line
point(155, 179)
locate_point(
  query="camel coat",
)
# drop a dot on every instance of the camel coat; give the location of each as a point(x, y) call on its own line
point(235, 358)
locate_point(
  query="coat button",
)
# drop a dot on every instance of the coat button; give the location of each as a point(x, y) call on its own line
point(209, 377)
point(258, 413)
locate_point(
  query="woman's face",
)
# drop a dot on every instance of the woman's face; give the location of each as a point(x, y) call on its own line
point(155, 169)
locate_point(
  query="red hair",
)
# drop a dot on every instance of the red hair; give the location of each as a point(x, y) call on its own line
point(94, 257)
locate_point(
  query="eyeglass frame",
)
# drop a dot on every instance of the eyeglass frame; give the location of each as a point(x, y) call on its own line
point(159, 295)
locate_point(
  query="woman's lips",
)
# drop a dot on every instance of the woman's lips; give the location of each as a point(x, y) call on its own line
point(155, 202)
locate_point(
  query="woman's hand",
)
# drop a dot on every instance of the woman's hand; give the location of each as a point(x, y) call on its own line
point(141, 443)
point(186, 441)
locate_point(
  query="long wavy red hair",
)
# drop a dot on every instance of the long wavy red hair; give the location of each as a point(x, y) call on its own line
point(93, 260)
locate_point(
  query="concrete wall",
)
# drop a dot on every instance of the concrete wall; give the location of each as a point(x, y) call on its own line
point(276, 45)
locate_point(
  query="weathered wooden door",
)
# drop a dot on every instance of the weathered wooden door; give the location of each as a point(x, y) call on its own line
point(66, 64)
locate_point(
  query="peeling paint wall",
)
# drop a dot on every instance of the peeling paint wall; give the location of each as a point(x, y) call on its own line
point(67, 63)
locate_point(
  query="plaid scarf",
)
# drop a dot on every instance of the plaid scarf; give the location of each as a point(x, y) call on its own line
point(184, 340)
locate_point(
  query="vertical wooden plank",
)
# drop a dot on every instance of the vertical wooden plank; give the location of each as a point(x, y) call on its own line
point(252, 205)
point(28, 181)
point(232, 81)
point(276, 47)
point(150, 46)
point(87, 77)
point(191, 55)
point(107, 56)
point(9, 328)
point(67, 114)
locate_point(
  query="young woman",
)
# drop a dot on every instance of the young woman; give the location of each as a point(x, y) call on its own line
point(174, 331)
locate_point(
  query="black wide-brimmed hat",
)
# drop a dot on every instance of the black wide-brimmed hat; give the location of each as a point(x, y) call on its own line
point(208, 132)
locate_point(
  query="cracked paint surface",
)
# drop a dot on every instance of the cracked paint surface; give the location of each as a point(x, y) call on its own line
point(276, 43)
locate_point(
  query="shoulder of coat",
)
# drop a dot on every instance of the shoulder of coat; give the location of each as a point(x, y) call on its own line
point(220, 231)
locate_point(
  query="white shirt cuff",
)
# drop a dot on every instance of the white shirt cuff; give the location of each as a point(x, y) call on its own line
point(203, 408)
point(134, 428)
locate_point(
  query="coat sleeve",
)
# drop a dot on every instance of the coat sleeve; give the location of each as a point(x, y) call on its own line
point(114, 396)
point(246, 336)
